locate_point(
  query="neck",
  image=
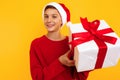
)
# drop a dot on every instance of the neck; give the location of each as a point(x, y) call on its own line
point(55, 36)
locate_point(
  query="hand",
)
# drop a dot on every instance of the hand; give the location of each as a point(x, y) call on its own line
point(65, 60)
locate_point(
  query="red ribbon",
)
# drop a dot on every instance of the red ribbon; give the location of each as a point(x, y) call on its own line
point(96, 35)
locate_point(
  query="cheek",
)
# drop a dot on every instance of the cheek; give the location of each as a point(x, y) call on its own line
point(44, 22)
point(59, 22)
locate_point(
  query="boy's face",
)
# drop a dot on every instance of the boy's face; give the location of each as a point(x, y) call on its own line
point(52, 20)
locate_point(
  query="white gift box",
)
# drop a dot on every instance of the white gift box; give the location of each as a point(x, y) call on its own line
point(85, 54)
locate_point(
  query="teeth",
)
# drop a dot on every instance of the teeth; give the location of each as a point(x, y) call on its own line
point(50, 25)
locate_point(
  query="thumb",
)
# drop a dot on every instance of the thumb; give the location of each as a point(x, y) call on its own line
point(67, 53)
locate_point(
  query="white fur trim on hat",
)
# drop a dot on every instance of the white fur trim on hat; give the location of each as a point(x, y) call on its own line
point(69, 24)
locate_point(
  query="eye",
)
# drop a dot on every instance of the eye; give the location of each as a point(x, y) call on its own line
point(54, 16)
point(46, 16)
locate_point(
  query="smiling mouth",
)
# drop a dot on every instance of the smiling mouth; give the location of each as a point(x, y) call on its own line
point(50, 25)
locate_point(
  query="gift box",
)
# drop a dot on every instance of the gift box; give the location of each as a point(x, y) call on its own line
point(95, 45)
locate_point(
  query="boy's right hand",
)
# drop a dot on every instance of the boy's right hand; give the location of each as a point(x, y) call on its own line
point(64, 59)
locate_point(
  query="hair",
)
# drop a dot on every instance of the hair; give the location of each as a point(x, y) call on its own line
point(49, 6)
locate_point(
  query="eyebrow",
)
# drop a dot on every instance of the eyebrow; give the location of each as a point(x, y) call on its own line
point(52, 14)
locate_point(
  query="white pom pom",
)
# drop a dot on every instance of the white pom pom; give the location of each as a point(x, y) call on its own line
point(68, 24)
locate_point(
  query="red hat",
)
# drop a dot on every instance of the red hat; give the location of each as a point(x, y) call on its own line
point(62, 9)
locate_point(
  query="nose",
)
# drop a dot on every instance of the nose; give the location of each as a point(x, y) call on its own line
point(49, 19)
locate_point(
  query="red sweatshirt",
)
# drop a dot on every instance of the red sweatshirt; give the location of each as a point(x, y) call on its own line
point(44, 63)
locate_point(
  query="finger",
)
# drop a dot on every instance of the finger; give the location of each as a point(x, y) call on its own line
point(70, 62)
point(67, 53)
point(70, 65)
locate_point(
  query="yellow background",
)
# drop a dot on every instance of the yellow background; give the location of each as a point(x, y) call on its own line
point(21, 22)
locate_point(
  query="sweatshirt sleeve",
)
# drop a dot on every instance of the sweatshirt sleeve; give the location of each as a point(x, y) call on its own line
point(38, 72)
point(83, 75)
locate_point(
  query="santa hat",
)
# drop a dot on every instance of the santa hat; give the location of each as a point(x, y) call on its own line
point(62, 9)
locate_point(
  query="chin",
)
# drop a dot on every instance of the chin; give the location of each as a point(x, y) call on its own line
point(50, 30)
